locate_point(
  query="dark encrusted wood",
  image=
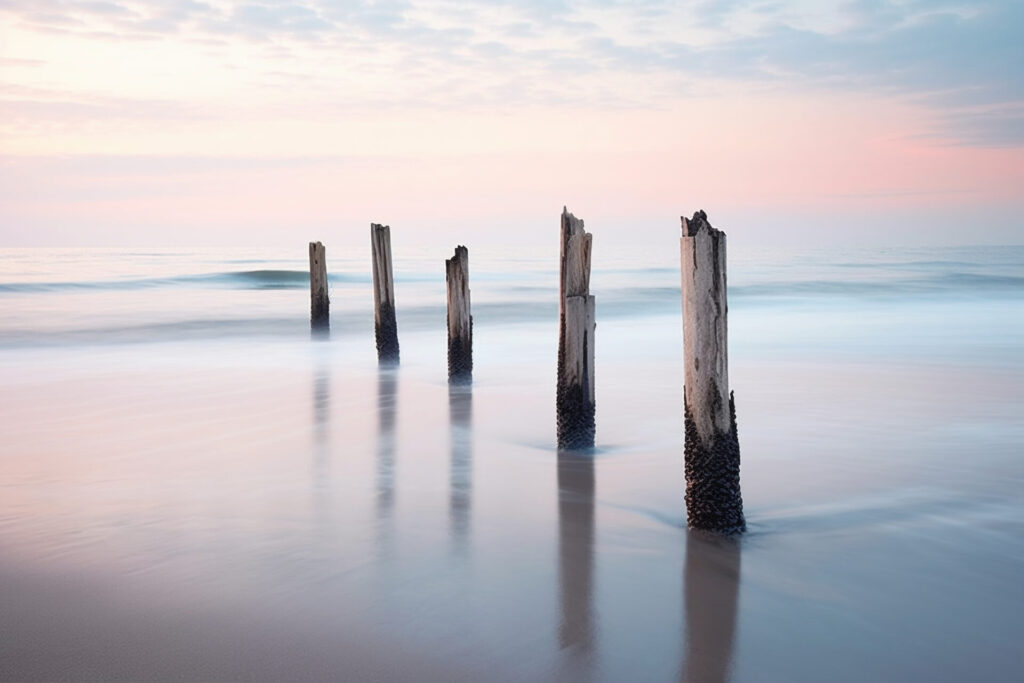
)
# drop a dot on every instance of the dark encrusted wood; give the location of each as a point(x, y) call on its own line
point(713, 499)
point(386, 332)
point(575, 418)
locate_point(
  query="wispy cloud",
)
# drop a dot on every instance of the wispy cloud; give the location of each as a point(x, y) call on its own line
point(961, 60)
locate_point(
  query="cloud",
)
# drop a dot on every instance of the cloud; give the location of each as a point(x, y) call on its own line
point(931, 52)
point(960, 60)
point(24, 107)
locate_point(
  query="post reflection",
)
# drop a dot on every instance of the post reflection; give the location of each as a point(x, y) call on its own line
point(320, 330)
point(387, 398)
point(712, 586)
point(321, 469)
point(460, 478)
point(575, 549)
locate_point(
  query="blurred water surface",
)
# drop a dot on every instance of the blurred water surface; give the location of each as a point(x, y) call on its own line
point(192, 487)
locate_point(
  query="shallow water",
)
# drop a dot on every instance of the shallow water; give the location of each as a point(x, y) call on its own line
point(191, 487)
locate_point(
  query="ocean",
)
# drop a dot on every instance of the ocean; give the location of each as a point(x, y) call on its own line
point(192, 486)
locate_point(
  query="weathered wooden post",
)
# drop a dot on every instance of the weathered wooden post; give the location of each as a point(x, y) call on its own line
point(460, 320)
point(712, 451)
point(386, 327)
point(575, 392)
point(320, 304)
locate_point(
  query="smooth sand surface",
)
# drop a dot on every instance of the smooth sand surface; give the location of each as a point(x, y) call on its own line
point(287, 511)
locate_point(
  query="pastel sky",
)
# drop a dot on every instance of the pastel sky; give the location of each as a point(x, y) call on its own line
point(182, 122)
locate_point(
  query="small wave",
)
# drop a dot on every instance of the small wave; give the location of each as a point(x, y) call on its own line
point(244, 279)
point(956, 283)
point(268, 279)
point(888, 265)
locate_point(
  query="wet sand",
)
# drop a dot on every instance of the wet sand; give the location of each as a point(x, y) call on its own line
point(290, 512)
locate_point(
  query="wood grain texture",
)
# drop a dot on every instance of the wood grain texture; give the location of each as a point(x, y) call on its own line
point(385, 323)
point(460, 319)
point(320, 304)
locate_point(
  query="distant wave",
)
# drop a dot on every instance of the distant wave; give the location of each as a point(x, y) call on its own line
point(951, 284)
point(244, 279)
point(956, 283)
point(923, 264)
point(240, 279)
point(622, 303)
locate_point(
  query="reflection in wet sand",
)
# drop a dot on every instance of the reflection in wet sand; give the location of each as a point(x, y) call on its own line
point(320, 331)
point(575, 549)
point(321, 470)
point(712, 585)
point(387, 397)
point(460, 412)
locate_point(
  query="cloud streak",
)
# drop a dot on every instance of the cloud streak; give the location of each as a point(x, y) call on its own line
point(961, 62)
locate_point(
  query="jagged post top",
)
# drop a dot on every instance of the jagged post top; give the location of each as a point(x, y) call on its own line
point(462, 256)
point(574, 224)
point(317, 269)
point(576, 245)
point(692, 226)
point(378, 231)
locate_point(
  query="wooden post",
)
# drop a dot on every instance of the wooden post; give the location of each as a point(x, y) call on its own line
point(384, 294)
point(460, 320)
point(575, 392)
point(713, 500)
point(320, 304)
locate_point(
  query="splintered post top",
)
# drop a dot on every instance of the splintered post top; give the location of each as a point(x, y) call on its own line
point(692, 226)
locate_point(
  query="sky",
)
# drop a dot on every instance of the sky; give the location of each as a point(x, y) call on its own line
point(266, 122)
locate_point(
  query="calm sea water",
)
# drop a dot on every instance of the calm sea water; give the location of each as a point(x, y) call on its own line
point(192, 487)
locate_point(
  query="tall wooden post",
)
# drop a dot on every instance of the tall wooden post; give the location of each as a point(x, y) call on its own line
point(460, 320)
point(320, 304)
point(385, 326)
point(712, 451)
point(575, 392)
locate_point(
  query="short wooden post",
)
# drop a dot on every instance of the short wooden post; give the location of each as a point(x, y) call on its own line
point(575, 392)
point(386, 327)
point(460, 320)
point(712, 451)
point(320, 304)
